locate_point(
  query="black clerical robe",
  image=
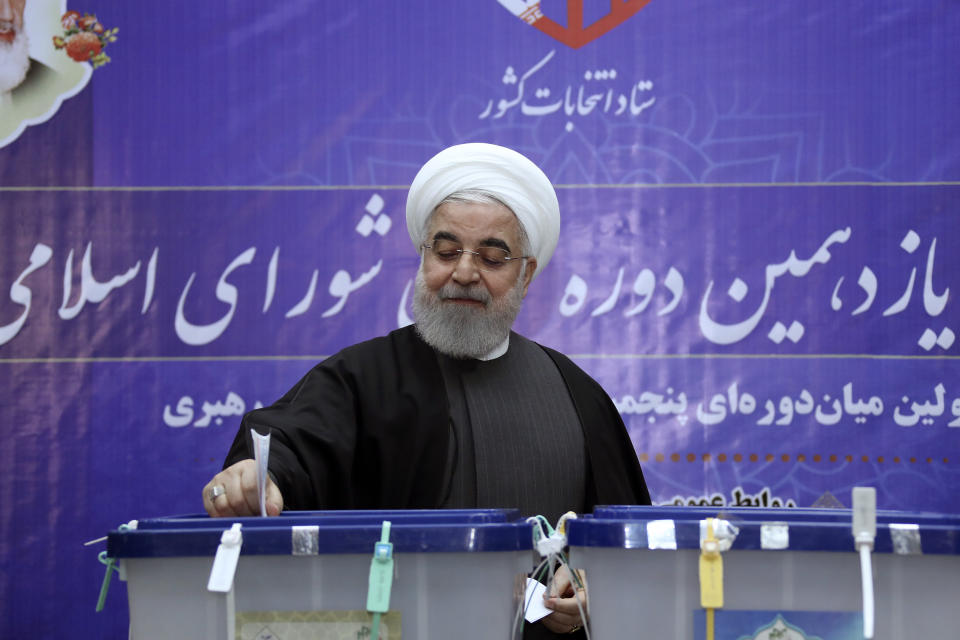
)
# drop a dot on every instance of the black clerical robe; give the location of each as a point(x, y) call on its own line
point(368, 428)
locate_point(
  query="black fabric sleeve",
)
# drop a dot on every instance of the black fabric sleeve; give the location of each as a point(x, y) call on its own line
point(312, 440)
point(615, 471)
point(365, 429)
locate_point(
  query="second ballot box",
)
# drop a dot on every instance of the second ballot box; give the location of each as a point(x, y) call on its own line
point(306, 574)
point(786, 573)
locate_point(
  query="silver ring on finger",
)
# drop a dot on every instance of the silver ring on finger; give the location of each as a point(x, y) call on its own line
point(216, 491)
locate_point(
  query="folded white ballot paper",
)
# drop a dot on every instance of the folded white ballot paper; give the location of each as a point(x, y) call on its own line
point(261, 454)
point(533, 607)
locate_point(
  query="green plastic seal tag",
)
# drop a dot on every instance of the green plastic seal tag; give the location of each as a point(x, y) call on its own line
point(381, 573)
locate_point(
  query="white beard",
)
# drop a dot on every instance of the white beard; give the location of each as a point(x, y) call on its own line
point(14, 62)
point(461, 331)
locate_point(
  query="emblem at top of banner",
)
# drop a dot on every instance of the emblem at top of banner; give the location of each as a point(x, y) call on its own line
point(575, 34)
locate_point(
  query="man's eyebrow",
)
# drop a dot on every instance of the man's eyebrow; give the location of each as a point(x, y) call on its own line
point(487, 242)
point(495, 242)
point(445, 235)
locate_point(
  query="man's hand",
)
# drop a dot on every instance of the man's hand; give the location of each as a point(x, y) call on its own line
point(562, 598)
point(233, 492)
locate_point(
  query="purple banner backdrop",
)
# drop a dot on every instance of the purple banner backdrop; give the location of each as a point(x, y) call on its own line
point(758, 255)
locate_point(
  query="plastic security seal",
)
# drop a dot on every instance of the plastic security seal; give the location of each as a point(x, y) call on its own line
point(225, 562)
point(112, 565)
point(551, 545)
point(549, 542)
point(864, 531)
point(381, 573)
point(381, 579)
point(864, 516)
point(724, 533)
point(711, 562)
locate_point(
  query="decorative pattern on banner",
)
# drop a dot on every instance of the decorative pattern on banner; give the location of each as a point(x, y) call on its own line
point(757, 258)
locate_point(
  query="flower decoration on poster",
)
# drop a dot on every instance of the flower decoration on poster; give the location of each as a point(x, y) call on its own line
point(84, 38)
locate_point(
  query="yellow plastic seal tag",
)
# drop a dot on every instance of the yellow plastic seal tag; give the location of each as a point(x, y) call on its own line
point(711, 571)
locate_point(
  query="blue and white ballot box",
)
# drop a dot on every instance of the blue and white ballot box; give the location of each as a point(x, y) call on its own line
point(653, 572)
point(306, 575)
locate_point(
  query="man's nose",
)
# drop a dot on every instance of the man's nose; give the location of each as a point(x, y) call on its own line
point(6, 10)
point(465, 270)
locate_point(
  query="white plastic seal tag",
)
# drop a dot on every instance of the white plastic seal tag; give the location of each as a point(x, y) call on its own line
point(261, 454)
point(225, 562)
point(551, 545)
point(724, 533)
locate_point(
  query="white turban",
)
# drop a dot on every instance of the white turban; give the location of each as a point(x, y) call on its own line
point(510, 176)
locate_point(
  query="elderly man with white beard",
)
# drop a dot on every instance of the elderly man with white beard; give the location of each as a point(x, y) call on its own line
point(17, 69)
point(457, 410)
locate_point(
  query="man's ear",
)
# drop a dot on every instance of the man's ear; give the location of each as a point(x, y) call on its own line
point(530, 269)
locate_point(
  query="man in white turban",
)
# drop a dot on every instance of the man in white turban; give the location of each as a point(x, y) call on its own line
point(465, 307)
point(456, 410)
